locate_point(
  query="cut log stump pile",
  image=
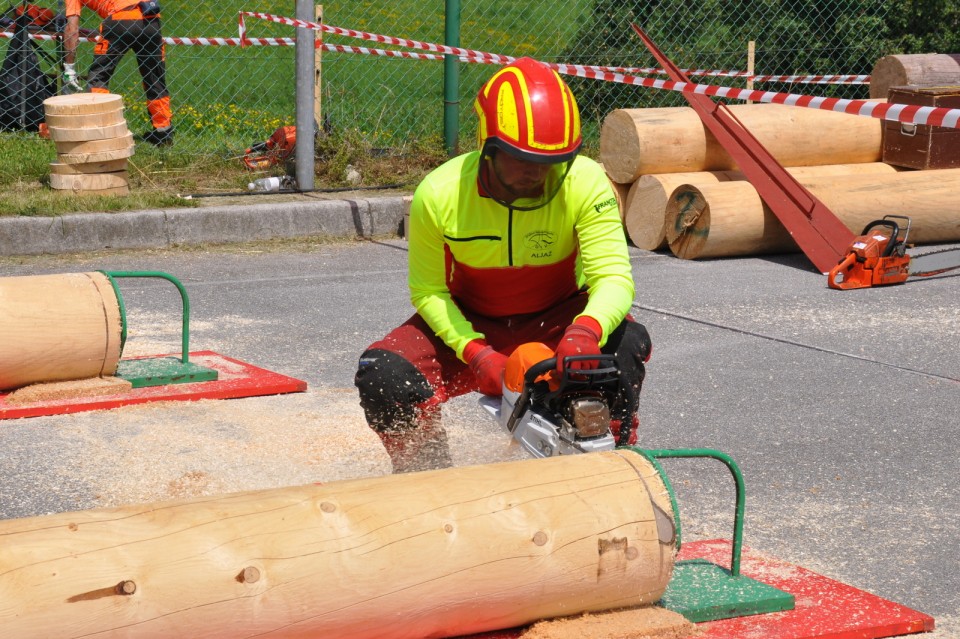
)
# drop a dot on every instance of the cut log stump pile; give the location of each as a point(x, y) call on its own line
point(677, 187)
point(93, 143)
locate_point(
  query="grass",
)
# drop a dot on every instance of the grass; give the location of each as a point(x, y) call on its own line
point(384, 116)
point(159, 178)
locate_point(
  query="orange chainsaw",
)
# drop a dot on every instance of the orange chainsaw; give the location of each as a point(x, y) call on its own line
point(276, 149)
point(878, 256)
point(550, 413)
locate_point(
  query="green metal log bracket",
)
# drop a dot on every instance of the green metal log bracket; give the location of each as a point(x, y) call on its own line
point(701, 590)
point(158, 371)
point(692, 453)
point(185, 334)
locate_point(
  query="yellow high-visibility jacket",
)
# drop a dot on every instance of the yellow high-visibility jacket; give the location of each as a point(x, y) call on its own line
point(466, 251)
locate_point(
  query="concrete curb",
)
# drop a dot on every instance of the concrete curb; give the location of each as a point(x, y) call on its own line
point(218, 224)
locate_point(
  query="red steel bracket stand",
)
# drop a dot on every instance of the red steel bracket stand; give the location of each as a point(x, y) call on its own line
point(822, 237)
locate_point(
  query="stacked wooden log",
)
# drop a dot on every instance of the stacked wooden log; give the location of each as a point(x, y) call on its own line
point(93, 143)
point(684, 191)
point(923, 69)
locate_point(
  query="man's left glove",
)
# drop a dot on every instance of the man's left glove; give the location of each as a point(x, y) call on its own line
point(70, 84)
point(487, 366)
point(581, 338)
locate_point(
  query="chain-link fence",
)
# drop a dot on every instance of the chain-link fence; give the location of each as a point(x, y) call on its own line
point(225, 96)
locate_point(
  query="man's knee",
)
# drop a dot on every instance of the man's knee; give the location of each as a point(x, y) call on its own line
point(391, 389)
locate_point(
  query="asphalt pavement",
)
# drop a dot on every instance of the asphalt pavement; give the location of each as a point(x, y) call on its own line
point(841, 407)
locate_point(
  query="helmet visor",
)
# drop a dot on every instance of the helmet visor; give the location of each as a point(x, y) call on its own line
point(520, 184)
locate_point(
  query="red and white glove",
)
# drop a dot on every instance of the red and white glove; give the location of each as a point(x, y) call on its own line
point(487, 366)
point(581, 338)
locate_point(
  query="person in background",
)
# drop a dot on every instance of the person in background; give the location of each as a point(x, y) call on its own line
point(520, 241)
point(126, 26)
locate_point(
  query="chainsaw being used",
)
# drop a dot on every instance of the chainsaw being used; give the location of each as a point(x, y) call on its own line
point(550, 413)
point(878, 256)
point(274, 150)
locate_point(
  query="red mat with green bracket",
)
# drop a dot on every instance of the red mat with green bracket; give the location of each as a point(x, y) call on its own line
point(233, 379)
point(824, 608)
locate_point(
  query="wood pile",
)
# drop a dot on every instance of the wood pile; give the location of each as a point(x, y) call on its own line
point(684, 191)
point(93, 143)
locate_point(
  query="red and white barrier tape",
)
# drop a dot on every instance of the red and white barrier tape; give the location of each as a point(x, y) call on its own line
point(791, 79)
point(261, 42)
point(336, 48)
point(493, 58)
point(907, 114)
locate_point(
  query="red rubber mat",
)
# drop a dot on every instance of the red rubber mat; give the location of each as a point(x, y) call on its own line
point(235, 379)
point(825, 608)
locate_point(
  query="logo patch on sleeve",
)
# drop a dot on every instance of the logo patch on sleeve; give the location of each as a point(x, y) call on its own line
point(606, 203)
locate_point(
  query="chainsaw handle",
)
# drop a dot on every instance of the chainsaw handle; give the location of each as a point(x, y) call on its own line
point(529, 378)
point(545, 366)
point(540, 368)
point(894, 230)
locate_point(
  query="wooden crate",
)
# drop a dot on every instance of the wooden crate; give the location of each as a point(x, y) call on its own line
point(920, 146)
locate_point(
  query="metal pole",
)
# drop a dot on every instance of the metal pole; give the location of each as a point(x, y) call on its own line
point(451, 79)
point(304, 153)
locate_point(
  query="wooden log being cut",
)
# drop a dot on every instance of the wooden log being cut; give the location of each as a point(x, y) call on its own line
point(728, 219)
point(432, 554)
point(923, 69)
point(635, 142)
point(646, 205)
point(58, 327)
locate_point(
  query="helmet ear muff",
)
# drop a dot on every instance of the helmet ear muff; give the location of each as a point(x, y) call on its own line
point(527, 109)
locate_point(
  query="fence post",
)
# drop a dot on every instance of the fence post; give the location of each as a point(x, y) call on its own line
point(317, 77)
point(304, 98)
point(451, 79)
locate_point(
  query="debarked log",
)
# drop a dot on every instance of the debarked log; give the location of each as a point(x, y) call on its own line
point(646, 201)
point(729, 219)
point(635, 142)
point(432, 554)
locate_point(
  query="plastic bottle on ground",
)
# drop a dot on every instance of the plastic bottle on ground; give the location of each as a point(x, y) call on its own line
point(266, 185)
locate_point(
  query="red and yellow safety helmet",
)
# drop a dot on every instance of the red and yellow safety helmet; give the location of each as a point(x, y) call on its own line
point(527, 110)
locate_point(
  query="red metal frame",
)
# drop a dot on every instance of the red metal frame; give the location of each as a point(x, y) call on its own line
point(236, 379)
point(826, 609)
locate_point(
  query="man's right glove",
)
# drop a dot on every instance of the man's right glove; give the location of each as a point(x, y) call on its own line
point(581, 338)
point(487, 366)
point(70, 84)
